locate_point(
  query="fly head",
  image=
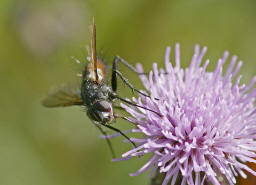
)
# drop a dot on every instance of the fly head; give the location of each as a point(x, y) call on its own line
point(101, 111)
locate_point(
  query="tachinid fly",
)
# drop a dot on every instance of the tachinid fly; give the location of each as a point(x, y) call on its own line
point(94, 93)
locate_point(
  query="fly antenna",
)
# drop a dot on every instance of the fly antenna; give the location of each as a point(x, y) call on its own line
point(93, 49)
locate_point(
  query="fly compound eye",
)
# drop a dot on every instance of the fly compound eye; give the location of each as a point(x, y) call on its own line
point(102, 106)
point(102, 111)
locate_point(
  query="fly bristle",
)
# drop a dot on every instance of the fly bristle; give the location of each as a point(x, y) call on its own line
point(88, 59)
point(76, 60)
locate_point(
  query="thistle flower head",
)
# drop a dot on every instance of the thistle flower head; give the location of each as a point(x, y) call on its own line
point(208, 127)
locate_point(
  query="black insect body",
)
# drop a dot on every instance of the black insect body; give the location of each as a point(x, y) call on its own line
point(94, 93)
point(98, 98)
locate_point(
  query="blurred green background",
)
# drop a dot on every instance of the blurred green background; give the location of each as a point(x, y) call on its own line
point(40, 146)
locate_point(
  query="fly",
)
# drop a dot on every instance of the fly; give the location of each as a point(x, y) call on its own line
point(93, 93)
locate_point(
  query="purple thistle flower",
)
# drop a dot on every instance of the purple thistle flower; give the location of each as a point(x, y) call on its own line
point(208, 128)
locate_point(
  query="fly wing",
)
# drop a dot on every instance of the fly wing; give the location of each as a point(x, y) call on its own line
point(67, 95)
point(93, 49)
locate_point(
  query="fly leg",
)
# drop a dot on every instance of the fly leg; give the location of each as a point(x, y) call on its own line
point(129, 66)
point(115, 96)
point(120, 132)
point(107, 139)
point(116, 73)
